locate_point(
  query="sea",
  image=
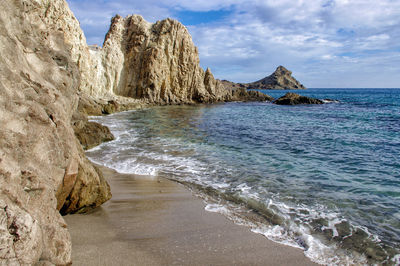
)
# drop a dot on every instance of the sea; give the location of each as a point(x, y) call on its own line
point(323, 178)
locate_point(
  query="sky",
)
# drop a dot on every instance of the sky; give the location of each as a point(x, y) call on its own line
point(325, 43)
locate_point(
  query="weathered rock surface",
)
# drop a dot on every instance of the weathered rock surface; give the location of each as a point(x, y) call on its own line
point(157, 62)
point(291, 98)
point(140, 61)
point(42, 165)
point(242, 94)
point(91, 134)
point(281, 79)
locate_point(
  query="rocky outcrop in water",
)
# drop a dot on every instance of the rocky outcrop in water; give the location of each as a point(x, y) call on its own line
point(242, 94)
point(294, 99)
point(43, 169)
point(281, 79)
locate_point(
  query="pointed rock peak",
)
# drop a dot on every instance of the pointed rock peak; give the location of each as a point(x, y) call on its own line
point(208, 75)
point(117, 18)
point(281, 70)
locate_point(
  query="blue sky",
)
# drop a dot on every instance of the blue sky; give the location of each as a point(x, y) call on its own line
point(326, 43)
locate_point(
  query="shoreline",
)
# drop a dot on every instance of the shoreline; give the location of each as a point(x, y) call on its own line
point(154, 221)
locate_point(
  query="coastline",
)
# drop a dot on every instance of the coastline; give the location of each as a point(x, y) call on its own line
point(154, 221)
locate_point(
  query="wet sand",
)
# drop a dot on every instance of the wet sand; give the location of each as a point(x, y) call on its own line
point(153, 221)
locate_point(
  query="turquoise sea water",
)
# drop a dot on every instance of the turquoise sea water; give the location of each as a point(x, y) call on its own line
point(325, 178)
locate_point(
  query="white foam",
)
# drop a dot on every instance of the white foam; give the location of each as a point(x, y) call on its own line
point(277, 234)
point(396, 259)
point(329, 101)
point(220, 185)
point(218, 208)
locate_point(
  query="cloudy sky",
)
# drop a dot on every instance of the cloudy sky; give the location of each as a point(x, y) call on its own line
point(326, 43)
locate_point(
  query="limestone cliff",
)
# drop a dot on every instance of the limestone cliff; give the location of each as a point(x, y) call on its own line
point(141, 62)
point(157, 62)
point(43, 169)
point(281, 79)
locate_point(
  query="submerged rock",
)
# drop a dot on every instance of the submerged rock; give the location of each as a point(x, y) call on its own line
point(291, 98)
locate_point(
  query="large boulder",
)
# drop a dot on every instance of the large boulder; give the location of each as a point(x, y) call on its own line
point(90, 134)
point(291, 98)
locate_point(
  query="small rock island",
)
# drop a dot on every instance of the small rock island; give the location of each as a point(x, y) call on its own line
point(281, 79)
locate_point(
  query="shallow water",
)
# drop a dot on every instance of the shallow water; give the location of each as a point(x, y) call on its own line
point(324, 177)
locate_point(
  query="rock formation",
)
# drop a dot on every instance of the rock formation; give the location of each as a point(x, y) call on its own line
point(281, 79)
point(157, 62)
point(294, 98)
point(242, 94)
point(90, 134)
point(43, 169)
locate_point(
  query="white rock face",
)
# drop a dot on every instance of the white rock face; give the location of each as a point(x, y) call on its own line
point(161, 62)
point(156, 62)
point(42, 165)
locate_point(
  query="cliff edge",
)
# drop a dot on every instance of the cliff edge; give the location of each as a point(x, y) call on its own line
point(156, 62)
point(43, 169)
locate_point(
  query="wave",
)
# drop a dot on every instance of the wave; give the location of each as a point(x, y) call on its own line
point(324, 234)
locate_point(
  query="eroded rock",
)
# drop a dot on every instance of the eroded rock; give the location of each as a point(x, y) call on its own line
point(157, 62)
point(291, 98)
point(91, 134)
point(242, 94)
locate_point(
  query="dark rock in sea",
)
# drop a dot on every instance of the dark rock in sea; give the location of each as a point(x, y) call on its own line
point(242, 94)
point(281, 79)
point(291, 98)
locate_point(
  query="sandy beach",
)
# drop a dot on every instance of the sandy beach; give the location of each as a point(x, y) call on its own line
point(153, 221)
